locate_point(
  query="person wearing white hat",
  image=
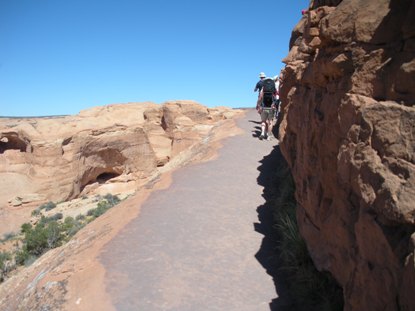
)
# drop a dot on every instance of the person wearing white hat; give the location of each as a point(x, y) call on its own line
point(266, 107)
point(258, 86)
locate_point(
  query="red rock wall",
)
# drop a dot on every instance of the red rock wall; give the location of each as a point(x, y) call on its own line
point(348, 134)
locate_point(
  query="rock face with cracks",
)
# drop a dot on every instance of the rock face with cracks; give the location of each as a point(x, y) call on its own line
point(108, 149)
point(120, 138)
point(348, 134)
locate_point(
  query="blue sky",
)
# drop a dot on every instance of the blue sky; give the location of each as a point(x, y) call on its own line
point(62, 56)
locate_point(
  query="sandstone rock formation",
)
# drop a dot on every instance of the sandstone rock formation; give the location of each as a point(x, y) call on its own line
point(118, 149)
point(109, 149)
point(348, 134)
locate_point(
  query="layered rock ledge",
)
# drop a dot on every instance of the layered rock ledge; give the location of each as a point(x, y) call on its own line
point(108, 149)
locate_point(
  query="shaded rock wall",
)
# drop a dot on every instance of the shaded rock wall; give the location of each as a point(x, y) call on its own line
point(348, 134)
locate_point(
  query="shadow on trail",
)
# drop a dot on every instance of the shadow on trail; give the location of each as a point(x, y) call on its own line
point(257, 129)
point(255, 122)
point(256, 132)
point(267, 255)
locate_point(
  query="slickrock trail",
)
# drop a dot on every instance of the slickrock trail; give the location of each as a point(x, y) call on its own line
point(194, 244)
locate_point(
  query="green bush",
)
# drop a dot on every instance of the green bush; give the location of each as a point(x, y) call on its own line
point(308, 287)
point(45, 220)
point(36, 240)
point(54, 234)
point(5, 264)
point(112, 199)
point(47, 206)
point(72, 226)
point(49, 233)
point(25, 227)
point(29, 260)
point(104, 205)
point(45, 235)
point(56, 216)
point(21, 256)
point(36, 212)
point(80, 217)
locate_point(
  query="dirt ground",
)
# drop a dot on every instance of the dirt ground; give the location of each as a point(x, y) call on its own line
point(196, 244)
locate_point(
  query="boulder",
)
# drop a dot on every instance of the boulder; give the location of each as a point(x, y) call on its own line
point(348, 135)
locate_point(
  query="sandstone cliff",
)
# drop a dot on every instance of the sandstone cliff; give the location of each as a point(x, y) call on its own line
point(348, 134)
point(109, 149)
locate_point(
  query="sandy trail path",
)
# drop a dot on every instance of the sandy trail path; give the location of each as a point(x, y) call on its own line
point(193, 246)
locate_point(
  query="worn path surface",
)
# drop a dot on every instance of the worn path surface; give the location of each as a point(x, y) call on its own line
point(194, 245)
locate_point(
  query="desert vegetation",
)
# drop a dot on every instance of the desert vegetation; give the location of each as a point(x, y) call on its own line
point(45, 233)
point(307, 286)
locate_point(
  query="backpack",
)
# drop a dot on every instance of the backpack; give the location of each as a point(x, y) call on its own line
point(268, 87)
point(267, 100)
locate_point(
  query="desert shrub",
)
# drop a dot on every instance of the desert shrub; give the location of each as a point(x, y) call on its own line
point(112, 199)
point(45, 235)
point(29, 260)
point(47, 206)
point(80, 217)
point(49, 233)
point(104, 205)
point(36, 212)
point(25, 227)
point(56, 216)
point(69, 221)
point(8, 236)
point(5, 264)
point(45, 220)
point(36, 240)
point(53, 234)
point(71, 226)
point(308, 287)
point(21, 256)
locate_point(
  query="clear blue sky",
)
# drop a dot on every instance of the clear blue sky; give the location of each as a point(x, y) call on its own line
point(63, 56)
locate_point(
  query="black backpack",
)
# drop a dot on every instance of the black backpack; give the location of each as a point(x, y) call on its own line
point(268, 87)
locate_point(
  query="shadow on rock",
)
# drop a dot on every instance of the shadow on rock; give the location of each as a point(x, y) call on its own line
point(267, 255)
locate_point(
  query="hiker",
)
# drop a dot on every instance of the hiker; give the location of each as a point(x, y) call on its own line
point(258, 86)
point(266, 107)
point(277, 80)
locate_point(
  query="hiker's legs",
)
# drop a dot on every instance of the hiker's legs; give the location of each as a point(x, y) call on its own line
point(271, 120)
point(264, 117)
point(270, 123)
point(269, 127)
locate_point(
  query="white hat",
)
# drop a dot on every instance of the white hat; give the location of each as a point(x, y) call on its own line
point(262, 75)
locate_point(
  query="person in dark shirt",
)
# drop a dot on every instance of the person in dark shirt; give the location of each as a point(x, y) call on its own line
point(258, 86)
point(266, 107)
